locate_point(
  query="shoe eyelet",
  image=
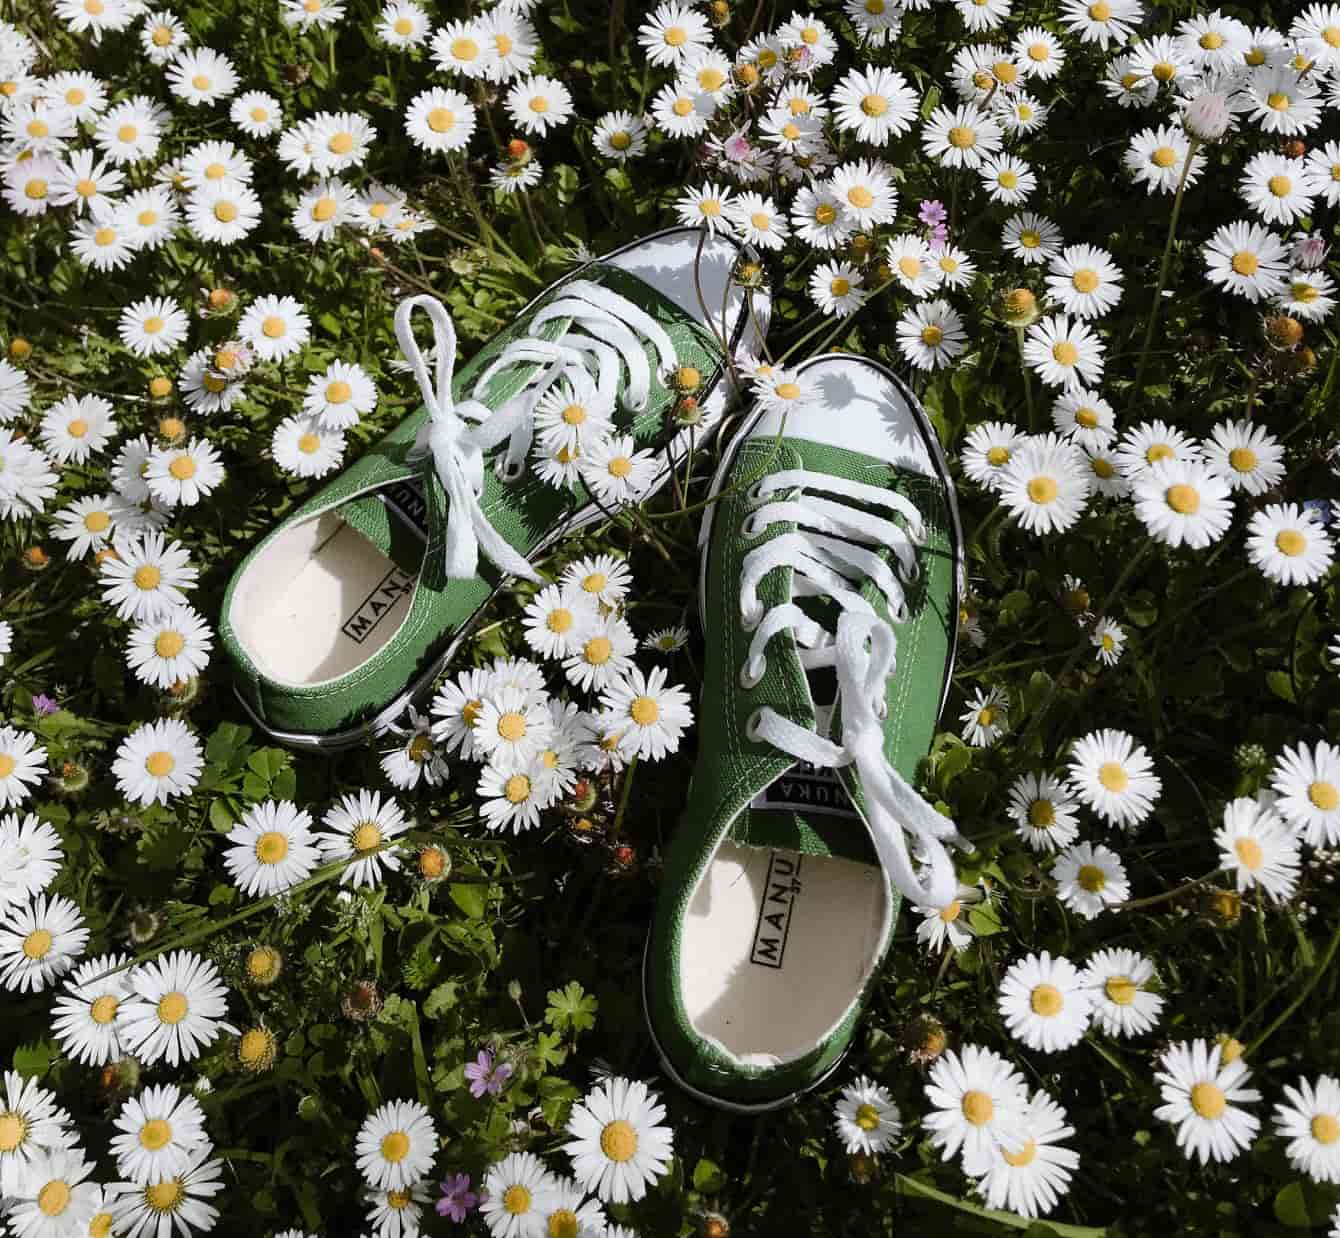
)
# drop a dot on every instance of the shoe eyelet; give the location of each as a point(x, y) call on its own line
point(749, 678)
point(755, 492)
point(750, 527)
point(505, 474)
point(751, 730)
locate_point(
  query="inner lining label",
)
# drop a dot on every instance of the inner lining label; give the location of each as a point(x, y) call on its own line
point(377, 605)
point(774, 917)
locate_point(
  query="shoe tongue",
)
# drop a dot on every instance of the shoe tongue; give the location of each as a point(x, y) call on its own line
point(807, 810)
point(394, 519)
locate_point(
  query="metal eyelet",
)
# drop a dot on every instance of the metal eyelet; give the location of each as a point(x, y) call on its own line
point(751, 730)
point(751, 679)
point(506, 474)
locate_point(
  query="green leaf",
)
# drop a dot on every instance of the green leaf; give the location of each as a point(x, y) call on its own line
point(33, 1061)
point(571, 1008)
point(331, 324)
point(707, 1177)
point(1301, 1205)
point(1281, 685)
point(220, 817)
point(440, 999)
point(226, 740)
point(984, 920)
point(1013, 606)
point(469, 898)
point(549, 1050)
point(556, 1096)
point(1037, 691)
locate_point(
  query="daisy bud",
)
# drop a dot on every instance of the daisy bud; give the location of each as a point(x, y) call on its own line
point(518, 149)
point(747, 74)
point(1294, 148)
point(171, 429)
point(1075, 601)
point(925, 1039)
point(256, 1050)
point(35, 559)
point(1309, 252)
point(1018, 307)
point(20, 349)
point(718, 12)
point(221, 298)
point(103, 555)
point(1207, 116)
point(687, 379)
point(144, 925)
point(1283, 332)
point(361, 1002)
point(434, 863)
point(749, 275)
point(72, 779)
point(160, 387)
point(514, 990)
point(863, 1168)
point(183, 695)
point(1226, 906)
point(1299, 363)
point(263, 965)
point(714, 1225)
point(583, 796)
point(1230, 1049)
point(296, 74)
point(860, 247)
point(203, 1086)
point(120, 1077)
point(624, 857)
point(883, 272)
point(688, 412)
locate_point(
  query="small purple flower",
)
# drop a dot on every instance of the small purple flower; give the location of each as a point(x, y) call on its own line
point(738, 146)
point(1309, 252)
point(43, 705)
point(939, 236)
point(457, 1198)
point(484, 1076)
point(932, 213)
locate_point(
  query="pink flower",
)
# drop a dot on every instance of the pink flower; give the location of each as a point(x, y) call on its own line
point(458, 1200)
point(484, 1076)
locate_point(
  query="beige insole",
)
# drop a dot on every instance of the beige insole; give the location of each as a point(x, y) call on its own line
point(322, 602)
point(777, 946)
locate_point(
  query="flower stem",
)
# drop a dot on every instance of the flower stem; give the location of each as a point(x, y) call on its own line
point(624, 793)
point(1322, 968)
point(1028, 380)
point(1152, 324)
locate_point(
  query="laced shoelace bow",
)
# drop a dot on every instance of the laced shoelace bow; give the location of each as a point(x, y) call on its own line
point(829, 555)
point(603, 343)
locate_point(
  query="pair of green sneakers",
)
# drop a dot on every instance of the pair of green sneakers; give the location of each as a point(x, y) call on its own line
point(831, 561)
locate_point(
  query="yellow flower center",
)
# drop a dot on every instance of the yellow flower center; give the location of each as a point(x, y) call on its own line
point(309, 443)
point(271, 847)
point(1091, 878)
point(598, 650)
point(160, 764)
point(1326, 1128)
point(860, 197)
point(164, 1196)
point(512, 726)
point(503, 43)
point(127, 133)
point(395, 1147)
point(273, 327)
point(978, 1107)
point(341, 143)
point(595, 582)
point(441, 119)
point(162, 36)
point(559, 621)
point(996, 456)
point(100, 1226)
point(169, 644)
point(1245, 263)
point(1120, 990)
point(77, 428)
point(1280, 186)
point(985, 717)
point(563, 1224)
point(470, 712)
point(1183, 499)
point(540, 104)
point(1085, 279)
point(620, 466)
point(1250, 853)
point(951, 912)
point(961, 137)
point(676, 36)
point(147, 577)
point(259, 115)
point(324, 209)
point(182, 468)
point(200, 82)
point(398, 1199)
point(825, 213)
point(761, 221)
point(1290, 542)
point(1041, 814)
point(1163, 71)
point(402, 26)
point(1113, 776)
point(909, 266)
point(517, 789)
point(97, 522)
point(1277, 101)
point(1039, 52)
point(367, 836)
point(54, 1198)
point(172, 1008)
point(1163, 157)
point(36, 189)
point(621, 140)
point(867, 1117)
point(103, 1009)
point(644, 710)
point(37, 945)
point(711, 80)
point(1324, 796)
point(1243, 459)
point(1208, 1101)
point(618, 1141)
point(1046, 1000)
point(788, 391)
point(839, 287)
point(155, 1134)
point(710, 207)
point(933, 336)
point(874, 105)
point(1065, 353)
point(1042, 489)
point(1008, 179)
point(516, 1199)
point(13, 1131)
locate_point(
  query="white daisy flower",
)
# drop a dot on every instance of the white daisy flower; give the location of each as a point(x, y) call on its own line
point(565, 1209)
point(874, 103)
point(1183, 503)
point(1044, 486)
point(672, 33)
point(1245, 455)
point(757, 221)
point(947, 925)
point(818, 219)
point(1084, 417)
point(619, 1147)
point(1308, 784)
point(1310, 1121)
point(276, 327)
point(302, 446)
point(456, 709)
point(22, 762)
point(182, 476)
point(105, 242)
point(148, 578)
point(512, 727)
point(1276, 187)
point(461, 47)
point(513, 1194)
point(986, 718)
point(866, 1118)
point(311, 14)
point(14, 393)
point(1151, 443)
point(214, 163)
point(1289, 544)
point(159, 1128)
point(978, 1105)
point(39, 942)
point(223, 214)
point(84, 181)
point(403, 24)
point(416, 757)
point(809, 44)
point(510, 43)
point(792, 135)
point(1007, 179)
point(1108, 638)
point(257, 114)
point(201, 75)
point(158, 761)
point(1062, 353)
point(440, 120)
point(393, 1213)
point(56, 1199)
point(1090, 879)
point(557, 619)
point(28, 186)
point(323, 209)
point(1259, 849)
point(865, 191)
point(1199, 1090)
point(1031, 238)
point(513, 798)
point(615, 471)
point(1311, 295)
point(980, 15)
point(174, 1205)
point(1044, 812)
point(76, 426)
point(396, 1145)
point(132, 129)
point(1030, 1182)
point(605, 577)
point(30, 851)
point(1282, 101)
point(651, 718)
point(1157, 159)
point(173, 648)
point(909, 258)
point(153, 326)
point(273, 848)
point(988, 450)
point(1102, 21)
point(162, 36)
point(26, 478)
point(539, 104)
point(32, 1123)
point(1248, 260)
point(620, 136)
point(955, 268)
point(1044, 1002)
point(708, 206)
point(836, 288)
point(1114, 776)
point(84, 1018)
point(1117, 981)
point(667, 640)
point(931, 335)
point(960, 137)
point(604, 654)
point(338, 397)
point(1084, 279)
point(1039, 52)
point(355, 829)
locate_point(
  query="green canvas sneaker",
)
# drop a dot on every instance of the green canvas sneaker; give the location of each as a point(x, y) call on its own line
point(348, 610)
point(829, 601)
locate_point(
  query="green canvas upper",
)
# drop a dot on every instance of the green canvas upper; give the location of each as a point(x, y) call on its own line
point(527, 512)
point(733, 769)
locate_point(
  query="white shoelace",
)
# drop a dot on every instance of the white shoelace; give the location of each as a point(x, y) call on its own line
point(829, 558)
point(606, 335)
